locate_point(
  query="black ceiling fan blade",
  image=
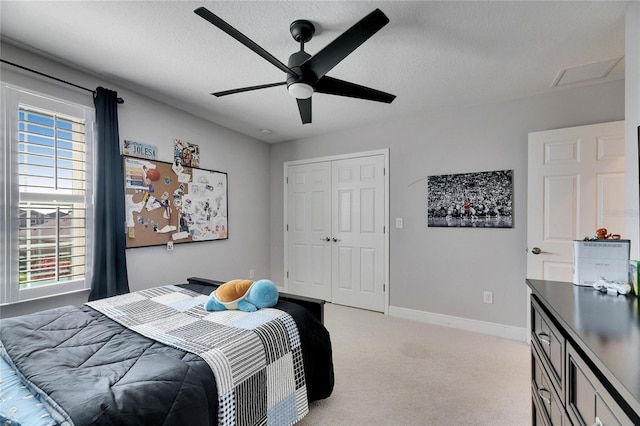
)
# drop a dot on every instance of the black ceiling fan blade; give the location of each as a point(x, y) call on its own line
point(333, 86)
point(248, 89)
point(323, 61)
point(218, 22)
point(304, 106)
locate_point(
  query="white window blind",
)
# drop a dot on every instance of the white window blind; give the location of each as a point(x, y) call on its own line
point(52, 166)
point(49, 176)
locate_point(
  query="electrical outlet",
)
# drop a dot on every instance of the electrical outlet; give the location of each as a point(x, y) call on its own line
point(170, 246)
point(488, 297)
point(251, 273)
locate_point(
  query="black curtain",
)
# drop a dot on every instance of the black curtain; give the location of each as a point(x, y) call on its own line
point(109, 244)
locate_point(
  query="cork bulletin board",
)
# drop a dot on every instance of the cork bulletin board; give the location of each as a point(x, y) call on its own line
point(169, 202)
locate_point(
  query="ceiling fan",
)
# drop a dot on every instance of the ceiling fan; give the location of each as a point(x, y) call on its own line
point(306, 74)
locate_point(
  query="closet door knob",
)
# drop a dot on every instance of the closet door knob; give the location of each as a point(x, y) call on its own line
point(335, 240)
point(327, 239)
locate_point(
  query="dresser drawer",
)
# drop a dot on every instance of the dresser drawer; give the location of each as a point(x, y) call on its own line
point(549, 408)
point(587, 401)
point(551, 344)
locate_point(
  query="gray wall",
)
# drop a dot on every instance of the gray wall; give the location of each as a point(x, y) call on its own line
point(142, 119)
point(442, 270)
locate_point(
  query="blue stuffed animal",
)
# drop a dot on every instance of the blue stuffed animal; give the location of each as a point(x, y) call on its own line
point(243, 295)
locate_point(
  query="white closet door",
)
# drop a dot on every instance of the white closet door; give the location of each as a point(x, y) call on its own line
point(358, 257)
point(309, 230)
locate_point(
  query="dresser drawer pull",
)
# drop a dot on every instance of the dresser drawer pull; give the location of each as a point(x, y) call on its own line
point(546, 399)
point(598, 422)
point(544, 338)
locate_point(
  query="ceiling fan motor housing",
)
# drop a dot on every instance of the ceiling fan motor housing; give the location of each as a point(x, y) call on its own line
point(295, 60)
point(299, 86)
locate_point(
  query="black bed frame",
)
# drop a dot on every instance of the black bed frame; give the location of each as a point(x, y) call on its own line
point(315, 306)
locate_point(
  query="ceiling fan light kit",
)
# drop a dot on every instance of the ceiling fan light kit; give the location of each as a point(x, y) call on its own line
point(306, 74)
point(300, 90)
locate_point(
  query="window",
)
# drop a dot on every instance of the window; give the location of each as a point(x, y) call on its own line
point(47, 188)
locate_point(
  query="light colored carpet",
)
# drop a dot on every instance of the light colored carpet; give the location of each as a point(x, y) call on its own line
point(391, 371)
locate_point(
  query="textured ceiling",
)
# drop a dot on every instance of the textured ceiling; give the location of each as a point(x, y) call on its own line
point(432, 55)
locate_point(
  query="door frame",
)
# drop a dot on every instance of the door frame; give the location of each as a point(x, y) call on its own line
point(383, 152)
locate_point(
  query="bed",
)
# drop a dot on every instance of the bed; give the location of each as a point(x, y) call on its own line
point(102, 364)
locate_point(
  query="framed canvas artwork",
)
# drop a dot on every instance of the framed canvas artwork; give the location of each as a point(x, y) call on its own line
point(471, 200)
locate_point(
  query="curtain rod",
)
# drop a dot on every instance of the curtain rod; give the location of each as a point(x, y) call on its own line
point(120, 100)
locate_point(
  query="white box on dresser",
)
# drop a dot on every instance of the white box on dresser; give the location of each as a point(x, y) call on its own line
point(594, 259)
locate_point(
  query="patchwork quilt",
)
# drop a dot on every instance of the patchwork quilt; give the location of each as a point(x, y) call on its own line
point(89, 369)
point(256, 357)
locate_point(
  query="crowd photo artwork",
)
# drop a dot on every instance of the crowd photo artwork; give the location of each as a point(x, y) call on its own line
point(471, 200)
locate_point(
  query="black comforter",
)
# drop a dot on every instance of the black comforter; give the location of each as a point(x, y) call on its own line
point(101, 373)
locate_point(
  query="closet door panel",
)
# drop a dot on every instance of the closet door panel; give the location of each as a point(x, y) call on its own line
point(358, 232)
point(309, 230)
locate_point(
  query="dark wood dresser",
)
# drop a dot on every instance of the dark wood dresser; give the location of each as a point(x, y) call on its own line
point(585, 356)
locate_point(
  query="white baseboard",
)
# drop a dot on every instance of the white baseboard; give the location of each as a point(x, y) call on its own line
point(501, 330)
